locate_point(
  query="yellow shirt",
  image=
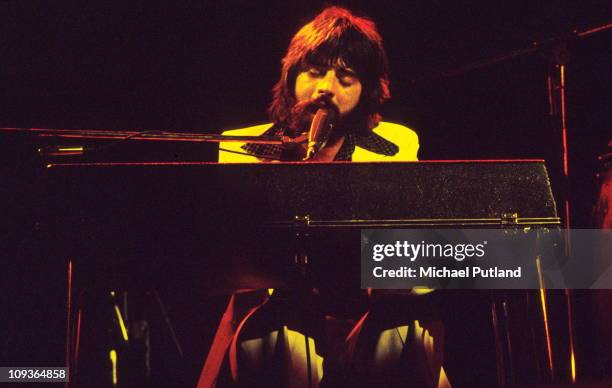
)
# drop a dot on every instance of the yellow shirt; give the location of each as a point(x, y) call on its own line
point(405, 138)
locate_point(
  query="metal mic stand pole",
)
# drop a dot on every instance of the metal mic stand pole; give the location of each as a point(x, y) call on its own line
point(557, 102)
point(556, 92)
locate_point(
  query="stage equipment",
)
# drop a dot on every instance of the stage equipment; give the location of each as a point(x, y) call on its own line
point(140, 225)
point(556, 49)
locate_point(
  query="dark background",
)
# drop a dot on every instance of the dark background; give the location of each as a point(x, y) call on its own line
point(204, 66)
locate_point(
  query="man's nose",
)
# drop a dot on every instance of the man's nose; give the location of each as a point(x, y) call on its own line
point(327, 84)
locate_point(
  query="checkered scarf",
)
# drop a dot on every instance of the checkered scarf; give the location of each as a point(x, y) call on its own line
point(371, 142)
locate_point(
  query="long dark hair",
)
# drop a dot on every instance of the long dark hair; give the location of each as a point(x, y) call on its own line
point(336, 35)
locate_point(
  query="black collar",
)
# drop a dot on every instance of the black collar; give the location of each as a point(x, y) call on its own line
point(370, 141)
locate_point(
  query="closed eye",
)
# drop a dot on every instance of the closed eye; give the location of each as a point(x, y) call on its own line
point(316, 72)
point(347, 80)
point(347, 77)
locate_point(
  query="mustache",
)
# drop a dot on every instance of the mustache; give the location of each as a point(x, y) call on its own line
point(301, 111)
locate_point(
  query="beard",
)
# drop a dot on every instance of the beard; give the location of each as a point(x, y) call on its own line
point(303, 112)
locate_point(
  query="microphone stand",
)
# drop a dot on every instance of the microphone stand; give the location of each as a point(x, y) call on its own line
point(557, 47)
point(148, 135)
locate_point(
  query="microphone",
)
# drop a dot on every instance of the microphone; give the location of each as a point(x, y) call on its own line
point(319, 132)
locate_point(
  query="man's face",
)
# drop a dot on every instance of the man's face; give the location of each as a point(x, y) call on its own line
point(338, 83)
